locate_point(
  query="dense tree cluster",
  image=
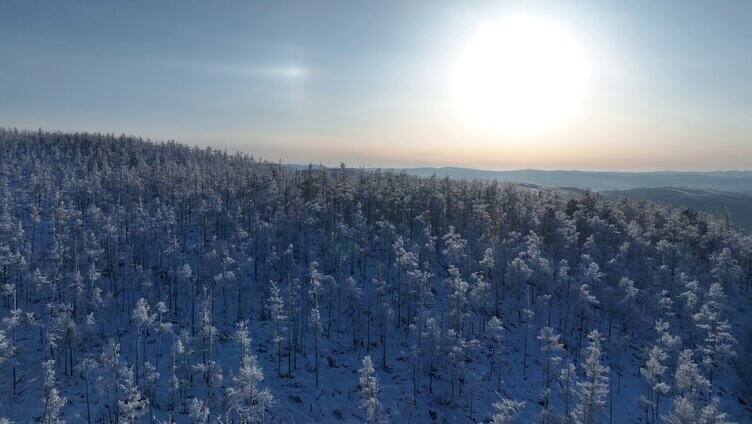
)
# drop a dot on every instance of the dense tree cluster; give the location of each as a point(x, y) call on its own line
point(133, 275)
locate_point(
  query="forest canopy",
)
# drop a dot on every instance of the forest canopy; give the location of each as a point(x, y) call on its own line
point(148, 281)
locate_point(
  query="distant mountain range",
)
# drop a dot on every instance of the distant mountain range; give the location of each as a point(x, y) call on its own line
point(731, 181)
point(738, 205)
point(713, 192)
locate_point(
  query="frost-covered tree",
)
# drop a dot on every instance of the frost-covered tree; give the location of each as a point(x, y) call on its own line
point(526, 320)
point(432, 340)
point(162, 327)
point(369, 393)
point(719, 343)
point(198, 412)
point(246, 400)
point(7, 352)
point(457, 299)
point(110, 373)
point(682, 412)
point(150, 383)
point(653, 372)
point(85, 369)
point(550, 346)
point(454, 246)
point(688, 384)
point(710, 414)
point(592, 390)
point(667, 341)
point(506, 411)
point(568, 389)
point(179, 371)
point(292, 302)
point(209, 368)
point(132, 405)
point(144, 320)
point(279, 318)
point(314, 318)
point(688, 380)
point(495, 332)
point(52, 400)
point(726, 269)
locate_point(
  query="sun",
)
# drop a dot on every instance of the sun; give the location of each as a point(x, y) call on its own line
point(520, 74)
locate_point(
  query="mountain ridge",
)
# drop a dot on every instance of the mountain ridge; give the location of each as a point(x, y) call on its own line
point(730, 181)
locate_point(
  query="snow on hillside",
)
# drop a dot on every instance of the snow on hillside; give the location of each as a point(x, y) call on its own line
point(146, 282)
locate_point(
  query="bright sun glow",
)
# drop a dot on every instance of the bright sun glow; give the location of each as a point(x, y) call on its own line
point(520, 74)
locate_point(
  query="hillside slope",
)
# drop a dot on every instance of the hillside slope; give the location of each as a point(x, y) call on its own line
point(156, 280)
point(738, 205)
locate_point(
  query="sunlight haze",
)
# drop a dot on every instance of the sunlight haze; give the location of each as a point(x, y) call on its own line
point(492, 85)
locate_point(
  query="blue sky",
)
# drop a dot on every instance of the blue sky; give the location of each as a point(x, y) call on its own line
point(367, 82)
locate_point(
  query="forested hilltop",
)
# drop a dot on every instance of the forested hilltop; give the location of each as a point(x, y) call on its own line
point(153, 282)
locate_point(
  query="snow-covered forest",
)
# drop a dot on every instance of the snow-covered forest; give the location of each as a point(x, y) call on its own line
point(153, 282)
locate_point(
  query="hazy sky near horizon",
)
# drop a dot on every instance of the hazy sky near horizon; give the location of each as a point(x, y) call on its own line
point(370, 83)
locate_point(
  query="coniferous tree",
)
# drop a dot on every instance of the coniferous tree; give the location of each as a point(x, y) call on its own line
point(198, 412)
point(710, 414)
point(369, 393)
point(314, 315)
point(86, 368)
point(719, 343)
point(568, 389)
point(594, 388)
point(7, 353)
point(682, 412)
point(133, 405)
point(247, 400)
point(144, 319)
point(495, 331)
point(688, 384)
point(53, 402)
point(550, 346)
point(277, 311)
point(111, 370)
point(653, 373)
point(506, 411)
point(209, 368)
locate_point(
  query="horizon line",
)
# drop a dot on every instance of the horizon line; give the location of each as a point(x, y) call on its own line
point(158, 140)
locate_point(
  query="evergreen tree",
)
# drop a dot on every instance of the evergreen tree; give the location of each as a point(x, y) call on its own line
point(52, 400)
point(688, 379)
point(314, 316)
point(277, 311)
point(550, 346)
point(594, 388)
point(688, 383)
point(719, 343)
point(144, 319)
point(247, 401)
point(198, 412)
point(495, 330)
point(653, 372)
point(369, 393)
point(133, 405)
point(710, 414)
point(150, 382)
point(506, 410)
point(682, 412)
point(568, 389)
